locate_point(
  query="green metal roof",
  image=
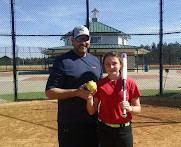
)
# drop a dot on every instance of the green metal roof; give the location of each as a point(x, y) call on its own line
point(97, 27)
point(111, 46)
point(68, 47)
point(97, 46)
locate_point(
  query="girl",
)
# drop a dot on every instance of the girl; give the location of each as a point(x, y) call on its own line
point(113, 129)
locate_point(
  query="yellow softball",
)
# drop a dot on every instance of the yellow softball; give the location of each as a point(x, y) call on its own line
point(91, 85)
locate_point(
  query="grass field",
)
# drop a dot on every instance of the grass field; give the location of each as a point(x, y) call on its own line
point(41, 95)
point(23, 96)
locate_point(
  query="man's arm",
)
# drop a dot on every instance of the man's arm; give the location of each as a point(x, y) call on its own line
point(58, 93)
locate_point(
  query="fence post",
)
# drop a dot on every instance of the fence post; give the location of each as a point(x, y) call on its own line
point(161, 47)
point(87, 18)
point(14, 50)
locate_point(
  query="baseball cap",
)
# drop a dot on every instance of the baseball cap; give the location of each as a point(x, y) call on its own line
point(80, 30)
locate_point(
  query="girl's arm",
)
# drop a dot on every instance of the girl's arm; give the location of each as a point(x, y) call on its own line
point(92, 105)
point(134, 107)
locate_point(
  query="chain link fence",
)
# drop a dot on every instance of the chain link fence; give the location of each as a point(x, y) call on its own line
point(40, 25)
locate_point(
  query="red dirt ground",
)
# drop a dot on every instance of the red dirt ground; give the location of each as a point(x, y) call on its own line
point(33, 123)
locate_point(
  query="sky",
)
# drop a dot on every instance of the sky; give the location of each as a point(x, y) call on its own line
point(57, 17)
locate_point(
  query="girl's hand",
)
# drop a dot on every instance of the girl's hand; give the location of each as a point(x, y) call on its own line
point(126, 105)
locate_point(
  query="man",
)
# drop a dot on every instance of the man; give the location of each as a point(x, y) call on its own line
point(65, 83)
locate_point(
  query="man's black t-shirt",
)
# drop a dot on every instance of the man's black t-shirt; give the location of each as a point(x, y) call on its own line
point(70, 71)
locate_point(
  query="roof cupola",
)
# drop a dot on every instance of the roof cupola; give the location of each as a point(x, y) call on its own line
point(95, 15)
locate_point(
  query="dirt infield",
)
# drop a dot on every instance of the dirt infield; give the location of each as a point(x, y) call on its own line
point(25, 124)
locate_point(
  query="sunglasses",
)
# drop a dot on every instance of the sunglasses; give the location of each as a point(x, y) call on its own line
point(79, 39)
